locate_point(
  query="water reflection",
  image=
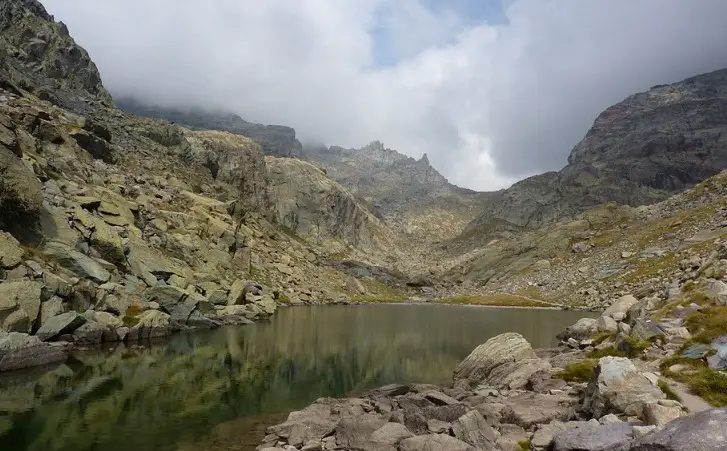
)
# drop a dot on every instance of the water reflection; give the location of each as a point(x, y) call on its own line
point(223, 386)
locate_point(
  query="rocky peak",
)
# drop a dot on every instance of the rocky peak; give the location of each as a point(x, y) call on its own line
point(38, 55)
point(424, 160)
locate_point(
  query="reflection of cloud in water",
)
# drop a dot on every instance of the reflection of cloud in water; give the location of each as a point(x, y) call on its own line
point(195, 384)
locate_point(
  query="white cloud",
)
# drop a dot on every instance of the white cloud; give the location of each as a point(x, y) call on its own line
point(487, 103)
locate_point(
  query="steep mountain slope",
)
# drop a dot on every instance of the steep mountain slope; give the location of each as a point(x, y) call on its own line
point(275, 140)
point(408, 193)
point(638, 151)
point(39, 55)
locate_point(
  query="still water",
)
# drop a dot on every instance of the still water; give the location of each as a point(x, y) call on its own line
point(218, 390)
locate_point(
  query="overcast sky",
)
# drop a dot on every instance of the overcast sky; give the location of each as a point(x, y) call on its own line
point(491, 90)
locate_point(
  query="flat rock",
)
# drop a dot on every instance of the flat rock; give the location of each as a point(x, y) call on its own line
point(582, 329)
point(594, 437)
point(80, 264)
point(434, 442)
point(391, 434)
point(621, 305)
point(658, 415)
point(64, 323)
point(19, 351)
point(529, 409)
point(704, 431)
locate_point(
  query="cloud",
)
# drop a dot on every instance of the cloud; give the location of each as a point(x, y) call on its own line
point(489, 102)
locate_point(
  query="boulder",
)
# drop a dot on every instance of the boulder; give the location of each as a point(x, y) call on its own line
point(591, 436)
point(11, 254)
point(658, 415)
point(93, 333)
point(21, 300)
point(584, 328)
point(80, 264)
point(472, 428)
point(391, 434)
point(607, 324)
point(50, 308)
point(704, 431)
point(354, 285)
point(528, 409)
point(308, 425)
point(355, 432)
point(434, 442)
point(151, 324)
point(19, 351)
point(20, 192)
point(65, 323)
point(618, 387)
point(718, 290)
point(621, 305)
point(506, 360)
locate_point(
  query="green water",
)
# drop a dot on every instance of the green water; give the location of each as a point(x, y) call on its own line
point(218, 390)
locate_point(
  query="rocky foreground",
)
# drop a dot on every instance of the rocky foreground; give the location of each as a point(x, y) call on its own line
point(611, 385)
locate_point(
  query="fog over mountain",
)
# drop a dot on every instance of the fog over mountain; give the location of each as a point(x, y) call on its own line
point(492, 91)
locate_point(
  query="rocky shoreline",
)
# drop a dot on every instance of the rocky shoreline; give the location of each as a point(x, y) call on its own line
point(606, 387)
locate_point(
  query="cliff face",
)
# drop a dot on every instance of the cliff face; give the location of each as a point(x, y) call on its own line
point(39, 55)
point(319, 209)
point(275, 140)
point(639, 151)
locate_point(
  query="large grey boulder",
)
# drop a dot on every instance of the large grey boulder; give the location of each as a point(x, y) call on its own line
point(19, 351)
point(472, 428)
point(308, 425)
point(506, 360)
point(65, 323)
point(528, 409)
point(391, 434)
point(704, 431)
point(11, 254)
point(618, 387)
point(20, 191)
point(21, 302)
point(151, 324)
point(582, 329)
point(80, 264)
point(434, 442)
point(592, 436)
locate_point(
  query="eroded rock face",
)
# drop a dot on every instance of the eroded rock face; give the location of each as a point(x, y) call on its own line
point(704, 431)
point(20, 190)
point(506, 360)
point(595, 437)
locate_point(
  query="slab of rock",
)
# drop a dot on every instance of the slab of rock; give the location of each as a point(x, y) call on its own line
point(658, 415)
point(308, 425)
point(434, 442)
point(355, 432)
point(473, 429)
point(595, 437)
point(704, 431)
point(437, 426)
point(19, 351)
point(65, 323)
point(391, 434)
point(607, 324)
point(718, 290)
point(529, 409)
point(80, 264)
point(439, 398)
point(506, 361)
point(618, 387)
point(545, 434)
point(621, 305)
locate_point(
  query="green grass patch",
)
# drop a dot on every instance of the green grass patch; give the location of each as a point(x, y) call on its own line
point(600, 337)
point(578, 372)
point(533, 293)
point(524, 445)
point(130, 321)
point(707, 324)
point(705, 382)
point(605, 352)
point(379, 292)
point(670, 394)
point(499, 300)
